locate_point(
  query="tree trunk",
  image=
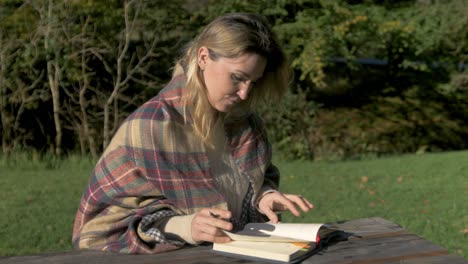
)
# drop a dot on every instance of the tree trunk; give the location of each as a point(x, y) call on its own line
point(53, 74)
point(3, 114)
point(83, 102)
point(118, 80)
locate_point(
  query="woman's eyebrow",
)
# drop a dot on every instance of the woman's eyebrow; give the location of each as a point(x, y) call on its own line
point(247, 76)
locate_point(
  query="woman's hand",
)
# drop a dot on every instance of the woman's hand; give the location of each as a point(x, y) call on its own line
point(277, 201)
point(208, 223)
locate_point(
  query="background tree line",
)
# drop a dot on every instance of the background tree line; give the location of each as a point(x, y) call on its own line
point(370, 77)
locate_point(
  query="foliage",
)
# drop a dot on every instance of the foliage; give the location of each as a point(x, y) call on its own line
point(90, 49)
point(391, 125)
point(290, 124)
point(407, 38)
point(414, 46)
point(348, 57)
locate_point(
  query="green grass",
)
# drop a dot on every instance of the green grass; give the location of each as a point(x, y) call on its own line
point(426, 194)
point(38, 202)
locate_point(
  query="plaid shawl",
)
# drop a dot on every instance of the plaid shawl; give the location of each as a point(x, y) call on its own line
point(155, 167)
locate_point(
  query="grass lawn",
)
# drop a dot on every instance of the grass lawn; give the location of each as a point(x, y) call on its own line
point(427, 194)
point(38, 204)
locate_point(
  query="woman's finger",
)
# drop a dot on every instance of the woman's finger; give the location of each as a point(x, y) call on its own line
point(303, 203)
point(277, 201)
point(207, 225)
point(217, 213)
point(270, 214)
point(283, 203)
point(221, 239)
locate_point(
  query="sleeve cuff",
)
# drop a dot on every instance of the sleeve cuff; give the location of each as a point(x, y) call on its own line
point(179, 228)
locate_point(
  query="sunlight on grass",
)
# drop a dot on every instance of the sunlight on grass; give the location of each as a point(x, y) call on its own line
point(425, 194)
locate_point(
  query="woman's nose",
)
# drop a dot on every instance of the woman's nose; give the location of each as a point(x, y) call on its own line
point(244, 90)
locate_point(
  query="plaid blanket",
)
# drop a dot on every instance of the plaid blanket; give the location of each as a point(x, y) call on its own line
point(156, 167)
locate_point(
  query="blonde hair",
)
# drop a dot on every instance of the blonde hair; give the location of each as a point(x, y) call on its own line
point(231, 36)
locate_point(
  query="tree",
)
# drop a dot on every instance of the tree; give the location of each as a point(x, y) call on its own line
point(54, 43)
point(6, 55)
point(20, 81)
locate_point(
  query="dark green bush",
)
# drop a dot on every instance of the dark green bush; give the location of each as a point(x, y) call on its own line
point(290, 124)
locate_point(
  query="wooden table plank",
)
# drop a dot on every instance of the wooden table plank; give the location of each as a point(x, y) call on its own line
point(376, 240)
point(369, 241)
point(189, 255)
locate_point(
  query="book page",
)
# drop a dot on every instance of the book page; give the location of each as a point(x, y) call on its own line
point(281, 232)
point(275, 251)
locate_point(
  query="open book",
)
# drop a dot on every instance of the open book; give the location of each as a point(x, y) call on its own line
point(282, 242)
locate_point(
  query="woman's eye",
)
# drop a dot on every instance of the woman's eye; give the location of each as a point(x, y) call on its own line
point(235, 78)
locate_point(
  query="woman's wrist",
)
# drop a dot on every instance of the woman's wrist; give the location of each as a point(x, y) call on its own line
point(178, 228)
point(263, 191)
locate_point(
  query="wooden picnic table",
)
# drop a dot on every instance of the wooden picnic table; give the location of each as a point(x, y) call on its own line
point(369, 241)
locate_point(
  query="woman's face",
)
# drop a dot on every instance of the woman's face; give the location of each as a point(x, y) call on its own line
point(229, 80)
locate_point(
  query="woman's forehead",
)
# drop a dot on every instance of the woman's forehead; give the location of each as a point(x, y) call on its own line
point(251, 65)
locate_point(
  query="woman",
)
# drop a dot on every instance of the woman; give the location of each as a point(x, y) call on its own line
point(195, 159)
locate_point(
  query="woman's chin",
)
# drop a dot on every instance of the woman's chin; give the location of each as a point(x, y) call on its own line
point(225, 108)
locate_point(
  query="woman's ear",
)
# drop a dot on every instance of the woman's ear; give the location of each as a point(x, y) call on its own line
point(203, 56)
